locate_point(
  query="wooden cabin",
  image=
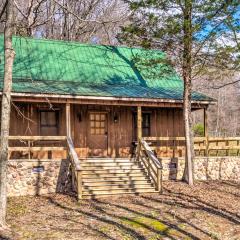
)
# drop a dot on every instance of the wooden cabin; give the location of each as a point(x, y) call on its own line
point(102, 97)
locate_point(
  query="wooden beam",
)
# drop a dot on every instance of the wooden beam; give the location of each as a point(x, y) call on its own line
point(111, 101)
point(196, 139)
point(68, 120)
point(130, 99)
point(36, 149)
point(205, 122)
point(206, 131)
point(139, 123)
point(38, 138)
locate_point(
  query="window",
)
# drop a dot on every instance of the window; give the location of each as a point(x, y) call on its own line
point(49, 122)
point(145, 125)
point(97, 123)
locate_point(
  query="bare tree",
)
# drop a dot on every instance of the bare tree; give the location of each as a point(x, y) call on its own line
point(224, 116)
point(87, 20)
point(6, 108)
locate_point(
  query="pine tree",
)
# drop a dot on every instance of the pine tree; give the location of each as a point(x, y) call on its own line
point(192, 33)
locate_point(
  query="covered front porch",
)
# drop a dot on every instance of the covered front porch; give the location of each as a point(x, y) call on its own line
point(97, 128)
point(108, 147)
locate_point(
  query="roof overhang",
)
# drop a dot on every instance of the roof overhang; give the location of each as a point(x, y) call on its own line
point(121, 101)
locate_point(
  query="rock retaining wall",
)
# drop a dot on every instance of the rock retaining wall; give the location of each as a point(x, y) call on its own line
point(212, 168)
point(35, 177)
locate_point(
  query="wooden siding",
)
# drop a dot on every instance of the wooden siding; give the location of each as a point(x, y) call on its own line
point(25, 118)
point(120, 130)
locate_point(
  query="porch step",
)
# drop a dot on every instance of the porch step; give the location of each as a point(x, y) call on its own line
point(117, 185)
point(118, 190)
point(135, 177)
point(107, 164)
point(100, 175)
point(111, 176)
point(106, 161)
point(115, 181)
point(99, 195)
point(103, 167)
point(99, 172)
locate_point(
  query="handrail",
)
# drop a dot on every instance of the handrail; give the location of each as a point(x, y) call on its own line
point(73, 154)
point(151, 155)
point(38, 138)
point(76, 168)
point(196, 139)
point(207, 145)
point(151, 163)
point(32, 144)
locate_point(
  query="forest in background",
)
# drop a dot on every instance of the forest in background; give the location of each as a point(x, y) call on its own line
point(101, 22)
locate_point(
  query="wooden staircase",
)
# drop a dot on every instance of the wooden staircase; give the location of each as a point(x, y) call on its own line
point(94, 177)
point(111, 176)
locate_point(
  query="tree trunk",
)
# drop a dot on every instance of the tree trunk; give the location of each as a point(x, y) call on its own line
point(187, 73)
point(6, 107)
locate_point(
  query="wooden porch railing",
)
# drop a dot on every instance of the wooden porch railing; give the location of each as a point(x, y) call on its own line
point(153, 166)
point(203, 146)
point(76, 168)
point(30, 144)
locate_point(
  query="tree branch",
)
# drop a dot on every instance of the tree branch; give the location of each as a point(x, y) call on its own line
point(226, 84)
point(84, 20)
point(3, 9)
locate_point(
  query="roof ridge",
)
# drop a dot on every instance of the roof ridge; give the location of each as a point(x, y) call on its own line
point(80, 43)
point(79, 82)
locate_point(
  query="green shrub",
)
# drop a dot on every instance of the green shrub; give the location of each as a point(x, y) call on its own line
point(198, 130)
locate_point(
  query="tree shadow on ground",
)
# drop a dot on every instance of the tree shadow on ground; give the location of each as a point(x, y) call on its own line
point(107, 218)
point(192, 202)
point(136, 218)
point(105, 212)
point(170, 225)
point(181, 212)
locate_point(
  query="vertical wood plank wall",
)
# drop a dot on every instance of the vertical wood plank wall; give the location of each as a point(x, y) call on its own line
point(25, 118)
point(164, 122)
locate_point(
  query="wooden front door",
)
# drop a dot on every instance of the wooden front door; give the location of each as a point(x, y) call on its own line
point(97, 134)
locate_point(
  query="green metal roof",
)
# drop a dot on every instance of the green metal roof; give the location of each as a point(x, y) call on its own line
point(71, 68)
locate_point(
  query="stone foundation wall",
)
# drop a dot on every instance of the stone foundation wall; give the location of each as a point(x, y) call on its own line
point(35, 177)
point(212, 168)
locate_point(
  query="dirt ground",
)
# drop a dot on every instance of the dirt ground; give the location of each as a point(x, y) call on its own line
point(209, 210)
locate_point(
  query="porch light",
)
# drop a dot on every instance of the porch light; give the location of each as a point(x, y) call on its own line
point(115, 118)
point(79, 116)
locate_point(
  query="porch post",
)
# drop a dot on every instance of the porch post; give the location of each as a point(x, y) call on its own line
point(68, 120)
point(205, 123)
point(139, 123)
point(206, 131)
